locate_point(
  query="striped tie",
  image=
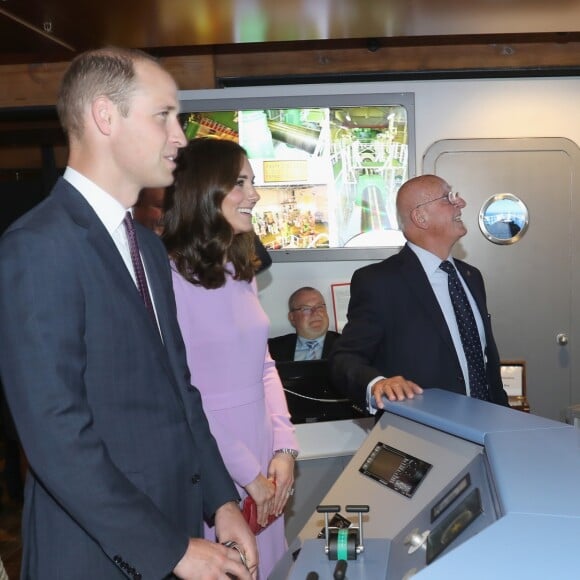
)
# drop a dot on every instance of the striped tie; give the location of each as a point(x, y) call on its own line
point(312, 348)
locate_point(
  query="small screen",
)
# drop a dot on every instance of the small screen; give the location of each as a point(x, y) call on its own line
point(395, 469)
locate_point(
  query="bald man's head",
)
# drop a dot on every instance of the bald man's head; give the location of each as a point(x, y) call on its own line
point(430, 215)
point(416, 191)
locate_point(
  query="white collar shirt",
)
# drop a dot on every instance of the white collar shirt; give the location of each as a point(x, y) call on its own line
point(303, 350)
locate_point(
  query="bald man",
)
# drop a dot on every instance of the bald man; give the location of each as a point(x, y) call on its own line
point(402, 334)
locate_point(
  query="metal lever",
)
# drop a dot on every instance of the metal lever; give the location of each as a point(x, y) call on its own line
point(327, 509)
point(360, 510)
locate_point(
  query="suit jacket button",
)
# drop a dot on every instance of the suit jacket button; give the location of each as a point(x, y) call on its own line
point(117, 559)
point(461, 379)
point(195, 478)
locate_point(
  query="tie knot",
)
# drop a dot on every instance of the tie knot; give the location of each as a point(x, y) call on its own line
point(448, 267)
point(312, 353)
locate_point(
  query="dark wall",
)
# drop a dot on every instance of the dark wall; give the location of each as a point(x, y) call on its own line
point(21, 190)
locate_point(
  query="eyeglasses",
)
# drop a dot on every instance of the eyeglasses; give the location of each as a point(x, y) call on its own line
point(308, 310)
point(451, 197)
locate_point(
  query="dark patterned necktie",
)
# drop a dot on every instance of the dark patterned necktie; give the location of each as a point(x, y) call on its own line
point(138, 265)
point(468, 332)
point(312, 347)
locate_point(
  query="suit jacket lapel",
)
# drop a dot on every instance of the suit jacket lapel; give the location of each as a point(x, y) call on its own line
point(292, 347)
point(475, 289)
point(157, 288)
point(418, 284)
point(97, 236)
point(327, 345)
point(106, 250)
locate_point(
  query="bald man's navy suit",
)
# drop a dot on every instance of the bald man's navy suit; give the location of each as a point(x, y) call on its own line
point(396, 327)
point(123, 465)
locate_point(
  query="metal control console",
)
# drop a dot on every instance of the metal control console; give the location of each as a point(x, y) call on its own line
point(450, 481)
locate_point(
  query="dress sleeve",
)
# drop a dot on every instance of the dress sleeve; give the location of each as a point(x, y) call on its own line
point(284, 432)
point(276, 405)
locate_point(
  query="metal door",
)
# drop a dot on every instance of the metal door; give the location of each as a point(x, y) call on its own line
point(532, 285)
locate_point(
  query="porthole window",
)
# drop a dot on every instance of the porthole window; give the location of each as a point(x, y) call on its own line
point(503, 218)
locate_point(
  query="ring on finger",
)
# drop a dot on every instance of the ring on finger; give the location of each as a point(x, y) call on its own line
point(236, 547)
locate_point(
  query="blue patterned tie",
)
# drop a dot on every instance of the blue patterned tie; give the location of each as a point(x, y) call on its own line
point(138, 265)
point(468, 332)
point(312, 346)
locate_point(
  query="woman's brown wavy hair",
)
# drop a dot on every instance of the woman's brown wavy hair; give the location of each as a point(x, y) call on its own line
point(198, 238)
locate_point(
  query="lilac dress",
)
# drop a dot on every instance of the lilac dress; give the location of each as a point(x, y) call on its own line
point(226, 335)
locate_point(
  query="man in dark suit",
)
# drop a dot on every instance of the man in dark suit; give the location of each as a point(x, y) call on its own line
point(402, 334)
point(123, 466)
point(312, 339)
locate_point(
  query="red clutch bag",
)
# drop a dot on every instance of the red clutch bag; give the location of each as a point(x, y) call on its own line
point(250, 513)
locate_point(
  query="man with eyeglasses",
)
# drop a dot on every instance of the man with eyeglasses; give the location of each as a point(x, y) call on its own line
point(402, 334)
point(312, 339)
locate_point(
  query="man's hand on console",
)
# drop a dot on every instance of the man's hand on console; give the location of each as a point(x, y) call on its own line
point(395, 389)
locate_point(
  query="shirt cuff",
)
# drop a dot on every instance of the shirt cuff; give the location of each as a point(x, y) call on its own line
point(371, 404)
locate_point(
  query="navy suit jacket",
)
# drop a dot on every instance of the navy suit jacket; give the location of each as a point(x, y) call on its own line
point(123, 464)
point(396, 327)
point(283, 347)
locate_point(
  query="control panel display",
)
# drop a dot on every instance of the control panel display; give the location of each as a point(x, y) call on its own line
point(395, 469)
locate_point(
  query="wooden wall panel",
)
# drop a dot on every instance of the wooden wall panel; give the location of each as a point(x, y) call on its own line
point(452, 57)
point(29, 157)
point(192, 72)
point(26, 85)
point(37, 84)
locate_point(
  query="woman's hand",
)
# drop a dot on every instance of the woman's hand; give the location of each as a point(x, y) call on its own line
point(281, 470)
point(263, 491)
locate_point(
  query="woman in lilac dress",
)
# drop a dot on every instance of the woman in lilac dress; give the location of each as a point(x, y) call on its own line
point(209, 237)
